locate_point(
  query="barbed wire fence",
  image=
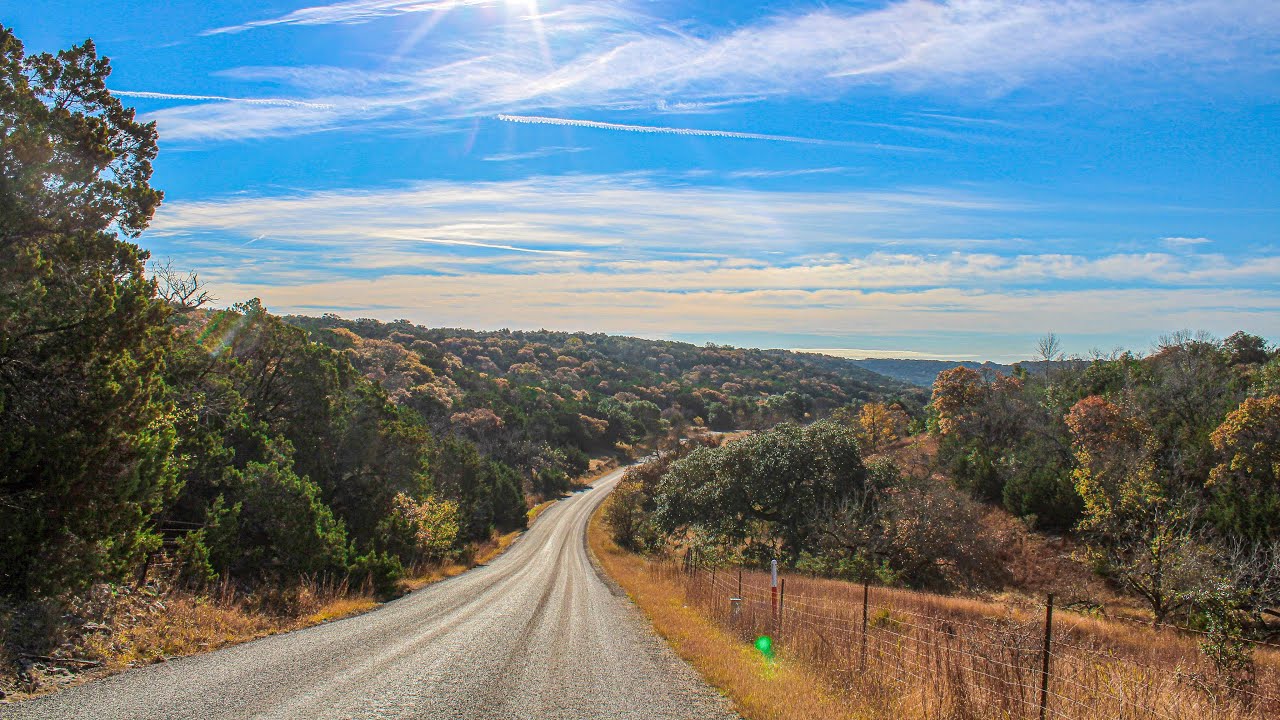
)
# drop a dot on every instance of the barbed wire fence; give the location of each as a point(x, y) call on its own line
point(953, 658)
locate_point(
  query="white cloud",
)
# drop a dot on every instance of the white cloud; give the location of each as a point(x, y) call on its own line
point(236, 121)
point(761, 173)
point(624, 254)
point(638, 235)
point(628, 217)
point(548, 301)
point(1184, 243)
point(605, 56)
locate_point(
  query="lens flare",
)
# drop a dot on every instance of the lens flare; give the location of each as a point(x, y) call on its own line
point(764, 644)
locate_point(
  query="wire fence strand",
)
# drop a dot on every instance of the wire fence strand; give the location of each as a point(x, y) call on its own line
point(979, 660)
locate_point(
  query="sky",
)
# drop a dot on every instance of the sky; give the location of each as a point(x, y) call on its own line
point(911, 178)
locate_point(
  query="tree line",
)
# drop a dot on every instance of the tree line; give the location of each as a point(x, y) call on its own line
point(1163, 468)
point(1166, 465)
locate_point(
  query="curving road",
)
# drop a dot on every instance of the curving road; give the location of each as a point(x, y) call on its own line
point(534, 634)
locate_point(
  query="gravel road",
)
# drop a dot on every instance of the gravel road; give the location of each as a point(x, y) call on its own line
point(534, 634)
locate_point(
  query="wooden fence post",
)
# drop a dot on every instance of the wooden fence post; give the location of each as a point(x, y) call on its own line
point(1044, 666)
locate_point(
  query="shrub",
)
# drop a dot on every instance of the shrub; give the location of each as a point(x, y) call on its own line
point(420, 530)
point(380, 571)
point(278, 528)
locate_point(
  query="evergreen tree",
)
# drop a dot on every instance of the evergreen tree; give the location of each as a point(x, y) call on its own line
point(85, 433)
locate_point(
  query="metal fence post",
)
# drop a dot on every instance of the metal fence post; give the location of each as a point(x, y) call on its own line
point(1044, 667)
point(782, 597)
point(735, 602)
point(866, 596)
point(773, 589)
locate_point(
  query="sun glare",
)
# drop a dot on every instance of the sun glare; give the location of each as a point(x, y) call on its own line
point(533, 14)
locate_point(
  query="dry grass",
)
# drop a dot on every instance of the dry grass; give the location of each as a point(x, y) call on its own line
point(929, 656)
point(44, 648)
point(944, 657)
point(339, 608)
point(186, 625)
point(139, 627)
point(760, 689)
point(599, 467)
point(537, 510)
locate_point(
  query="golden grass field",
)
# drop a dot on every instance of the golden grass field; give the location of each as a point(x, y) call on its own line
point(926, 656)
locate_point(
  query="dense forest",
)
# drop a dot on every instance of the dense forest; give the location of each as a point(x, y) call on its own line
point(144, 433)
point(1163, 469)
point(543, 400)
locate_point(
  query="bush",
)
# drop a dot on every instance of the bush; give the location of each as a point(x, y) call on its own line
point(194, 561)
point(576, 462)
point(1045, 495)
point(420, 530)
point(278, 528)
point(380, 571)
point(550, 482)
point(625, 515)
point(510, 511)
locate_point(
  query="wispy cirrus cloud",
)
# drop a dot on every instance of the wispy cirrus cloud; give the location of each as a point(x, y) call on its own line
point(352, 12)
point(1182, 243)
point(607, 56)
point(661, 129)
point(280, 102)
point(631, 216)
point(760, 173)
point(541, 152)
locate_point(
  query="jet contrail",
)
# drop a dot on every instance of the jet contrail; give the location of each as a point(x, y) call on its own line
point(219, 98)
point(539, 120)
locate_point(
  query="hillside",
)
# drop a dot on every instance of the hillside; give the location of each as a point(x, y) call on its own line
point(514, 392)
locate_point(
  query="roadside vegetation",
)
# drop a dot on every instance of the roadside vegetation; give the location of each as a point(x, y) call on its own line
point(1131, 487)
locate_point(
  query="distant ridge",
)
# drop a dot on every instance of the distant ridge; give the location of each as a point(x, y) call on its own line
point(924, 372)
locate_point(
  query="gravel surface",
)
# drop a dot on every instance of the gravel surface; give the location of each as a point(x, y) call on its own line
point(534, 634)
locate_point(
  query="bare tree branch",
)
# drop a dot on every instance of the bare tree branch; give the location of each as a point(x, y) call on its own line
point(184, 292)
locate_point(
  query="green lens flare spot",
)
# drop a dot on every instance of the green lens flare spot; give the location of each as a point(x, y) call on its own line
point(765, 645)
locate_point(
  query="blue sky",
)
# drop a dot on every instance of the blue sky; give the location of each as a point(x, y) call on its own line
point(910, 178)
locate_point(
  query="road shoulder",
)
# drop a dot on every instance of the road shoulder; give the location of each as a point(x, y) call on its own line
point(756, 688)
